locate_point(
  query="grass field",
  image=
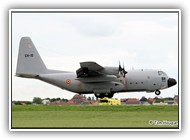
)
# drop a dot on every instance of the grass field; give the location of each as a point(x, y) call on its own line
point(46, 116)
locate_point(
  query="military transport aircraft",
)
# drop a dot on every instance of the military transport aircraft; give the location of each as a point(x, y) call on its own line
point(90, 77)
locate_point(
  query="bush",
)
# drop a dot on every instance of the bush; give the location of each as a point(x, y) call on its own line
point(37, 100)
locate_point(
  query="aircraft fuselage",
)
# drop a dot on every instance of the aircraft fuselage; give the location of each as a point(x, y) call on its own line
point(135, 80)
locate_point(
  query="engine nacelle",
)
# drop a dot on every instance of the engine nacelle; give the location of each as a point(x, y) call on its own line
point(111, 71)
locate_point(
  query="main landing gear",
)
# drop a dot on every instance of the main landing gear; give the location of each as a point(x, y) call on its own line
point(157, 92)
point(102, 95)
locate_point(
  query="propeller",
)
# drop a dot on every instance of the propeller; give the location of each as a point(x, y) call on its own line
point(122, 70)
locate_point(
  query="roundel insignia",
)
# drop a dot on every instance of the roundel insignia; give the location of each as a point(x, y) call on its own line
point(68, 81)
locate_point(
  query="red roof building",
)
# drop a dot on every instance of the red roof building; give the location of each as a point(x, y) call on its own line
point(78, 99)
point(132, 101)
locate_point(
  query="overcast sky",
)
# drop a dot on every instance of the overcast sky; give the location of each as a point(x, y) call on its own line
point(139, 40)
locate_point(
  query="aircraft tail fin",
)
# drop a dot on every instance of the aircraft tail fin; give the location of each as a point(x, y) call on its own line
point(29, 62)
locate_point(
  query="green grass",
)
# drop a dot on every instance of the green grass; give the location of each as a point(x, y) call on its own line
point(91, 116)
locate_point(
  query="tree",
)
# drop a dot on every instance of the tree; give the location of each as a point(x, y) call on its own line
point(37, 100)
point(52, 99)
point(58, 99)
point(63, 99)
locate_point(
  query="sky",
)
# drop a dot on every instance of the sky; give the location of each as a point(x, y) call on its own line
point(137, 40)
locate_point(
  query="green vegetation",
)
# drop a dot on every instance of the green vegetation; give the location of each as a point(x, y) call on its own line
point(37, 100)
point(29, 116)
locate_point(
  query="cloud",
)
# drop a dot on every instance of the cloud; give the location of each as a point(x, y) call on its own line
point(92, 25)
point(94, 29)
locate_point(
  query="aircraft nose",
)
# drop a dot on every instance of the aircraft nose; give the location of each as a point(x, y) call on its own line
point(171, 82)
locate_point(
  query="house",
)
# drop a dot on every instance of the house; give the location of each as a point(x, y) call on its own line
point(151, 100)
point(78, 100)
point(132, 101)
point(45, 102)
point(123, 101)
point(144, 101)
point(176, 99)
point(169, 102)
point(94, 102)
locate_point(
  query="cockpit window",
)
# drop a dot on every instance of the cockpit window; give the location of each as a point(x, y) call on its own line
point(161, 73)
point(163, 79)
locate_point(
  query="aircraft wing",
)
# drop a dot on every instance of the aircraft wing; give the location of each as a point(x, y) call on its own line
point(89, 69)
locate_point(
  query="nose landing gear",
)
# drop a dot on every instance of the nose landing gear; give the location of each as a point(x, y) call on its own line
point(157, 92)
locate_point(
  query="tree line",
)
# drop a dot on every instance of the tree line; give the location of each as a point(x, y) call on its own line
point(38, 100)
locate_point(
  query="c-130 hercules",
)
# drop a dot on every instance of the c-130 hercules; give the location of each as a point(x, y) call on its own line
point(90, 77)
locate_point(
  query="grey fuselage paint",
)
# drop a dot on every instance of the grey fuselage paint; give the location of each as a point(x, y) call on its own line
point(135, 80)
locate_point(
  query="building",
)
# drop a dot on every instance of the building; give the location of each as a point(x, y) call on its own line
point(151, 100)
point(78, 100)
point(123, 101)
point(132, 101)
point(176, 99)
point(144, 101)
point(45, 102)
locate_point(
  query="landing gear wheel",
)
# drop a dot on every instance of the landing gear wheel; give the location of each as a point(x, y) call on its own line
point(110, 95)
point(98, 95)
point(101, 96)
point(157, 92)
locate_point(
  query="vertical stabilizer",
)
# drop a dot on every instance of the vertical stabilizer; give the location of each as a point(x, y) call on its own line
point(29, 62)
